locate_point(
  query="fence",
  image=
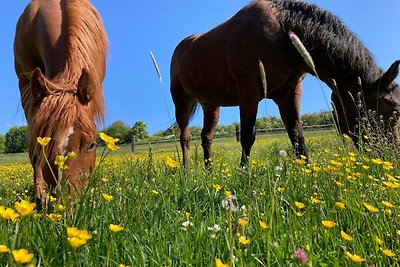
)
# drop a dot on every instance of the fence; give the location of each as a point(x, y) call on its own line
point(169, 139)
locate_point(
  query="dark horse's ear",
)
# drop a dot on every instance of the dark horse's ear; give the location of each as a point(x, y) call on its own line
point(38, 87)
point(85, 88)
point(388, 77)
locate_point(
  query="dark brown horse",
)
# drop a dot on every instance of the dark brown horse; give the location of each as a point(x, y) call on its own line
point(60, 52)
point(221, 68)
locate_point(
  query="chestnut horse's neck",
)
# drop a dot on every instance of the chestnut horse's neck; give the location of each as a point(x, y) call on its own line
point(338, 54)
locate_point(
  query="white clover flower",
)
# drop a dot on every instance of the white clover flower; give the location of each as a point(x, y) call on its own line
point(278, 169)
point(282, 153)
point(186, 224)
point(214, 228)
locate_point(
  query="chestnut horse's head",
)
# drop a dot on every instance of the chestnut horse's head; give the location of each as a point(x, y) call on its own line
point(63, 112)
point(382, 97)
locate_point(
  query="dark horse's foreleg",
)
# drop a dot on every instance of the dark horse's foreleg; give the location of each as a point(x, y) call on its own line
point(211, 116)
point(289, 108)
point(248, 113)
point(183, 106)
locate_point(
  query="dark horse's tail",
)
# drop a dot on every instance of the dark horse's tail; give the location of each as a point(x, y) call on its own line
point(193, 111)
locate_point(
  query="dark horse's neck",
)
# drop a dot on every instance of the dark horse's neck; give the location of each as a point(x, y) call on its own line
point(337, 53)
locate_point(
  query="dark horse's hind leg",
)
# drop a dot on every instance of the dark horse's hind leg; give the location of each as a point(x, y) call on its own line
point(289, 108)
point(211, 116)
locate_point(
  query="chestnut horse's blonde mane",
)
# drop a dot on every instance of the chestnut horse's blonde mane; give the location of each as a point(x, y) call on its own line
point(86, 48)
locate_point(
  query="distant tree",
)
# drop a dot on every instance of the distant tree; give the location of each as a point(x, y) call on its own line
point(16, 139)
point(138, 131)
point(118, 130)
point(312, 119)
point(270, 122)
point(195, 131)
point(2, 144)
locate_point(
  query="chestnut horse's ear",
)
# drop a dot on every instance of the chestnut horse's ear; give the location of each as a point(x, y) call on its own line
point(38, 87)
point(85, 87)
point(389, 76)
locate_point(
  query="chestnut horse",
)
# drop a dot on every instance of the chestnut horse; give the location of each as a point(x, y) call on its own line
point(221, 68)
point(60, 52)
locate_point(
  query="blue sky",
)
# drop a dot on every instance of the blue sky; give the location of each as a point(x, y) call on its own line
point(132, 89)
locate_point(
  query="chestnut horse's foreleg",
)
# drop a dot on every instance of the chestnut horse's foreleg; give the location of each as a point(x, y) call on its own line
point(248, 113)
point(289, 108)
point(40, 193)
point(211, 116)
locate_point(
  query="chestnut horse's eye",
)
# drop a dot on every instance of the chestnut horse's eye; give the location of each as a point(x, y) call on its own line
point(91, 146)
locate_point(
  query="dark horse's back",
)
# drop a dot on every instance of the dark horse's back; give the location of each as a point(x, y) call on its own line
point(226, 57)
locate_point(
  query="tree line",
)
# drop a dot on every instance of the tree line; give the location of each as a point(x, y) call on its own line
point(15, 140)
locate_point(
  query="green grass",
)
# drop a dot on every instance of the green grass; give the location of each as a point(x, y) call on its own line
point(155, 203)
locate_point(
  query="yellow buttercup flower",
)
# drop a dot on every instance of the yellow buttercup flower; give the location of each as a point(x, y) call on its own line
point(228, 193)
point(387, 204)
point(3, 249)
point(75, 242)
point(377, 161)
point(217, 187)
point(243, 222)
point(110, 142)
point(54, 217)
point(51, 199)
point(43, 141)
point(370, 207)
point(71, 155)
point(25, 208)
point(115, 228)
point(22, 256)
point(60, 162)
point(299, 205)
point(81, 234)
point(378, 240)
point(340, 205)
point(391, 184)
point(60, 207)
point(172, 163)
point(280, 189)
point(263, 224)
point(354, 257)
point(346, 236)
point(315, 200)
point(243, 240)
point(77, 238)
point(107, 197)
point(8, 214)
point(219, 263)
point(328, 224)
point(388, 252)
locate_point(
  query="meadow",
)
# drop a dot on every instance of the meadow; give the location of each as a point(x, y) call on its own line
point(141, 208)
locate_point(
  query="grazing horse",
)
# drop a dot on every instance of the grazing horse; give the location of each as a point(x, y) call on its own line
point(221, 68)
point(60, 52)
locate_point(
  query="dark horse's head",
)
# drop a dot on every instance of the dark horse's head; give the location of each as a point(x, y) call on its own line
point(64, 113)
point(375, 105)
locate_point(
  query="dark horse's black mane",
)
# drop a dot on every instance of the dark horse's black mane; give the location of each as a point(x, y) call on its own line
point(321, 30)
